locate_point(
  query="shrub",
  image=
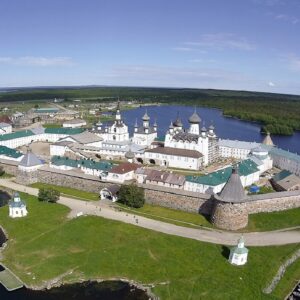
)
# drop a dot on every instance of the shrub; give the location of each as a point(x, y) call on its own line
point(48, 195)
point(131, 195)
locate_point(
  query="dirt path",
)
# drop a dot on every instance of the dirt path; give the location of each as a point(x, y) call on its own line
point(281, 237)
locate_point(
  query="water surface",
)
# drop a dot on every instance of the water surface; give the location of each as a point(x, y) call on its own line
point(226, 128)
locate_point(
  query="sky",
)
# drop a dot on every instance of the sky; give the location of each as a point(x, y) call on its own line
point(223, 44)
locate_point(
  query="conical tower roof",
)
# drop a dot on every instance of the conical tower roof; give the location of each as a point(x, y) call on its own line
point(30, 160)
point(267, 140)
point(233, 191)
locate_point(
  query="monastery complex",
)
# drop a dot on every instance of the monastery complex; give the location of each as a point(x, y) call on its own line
point(109, 154)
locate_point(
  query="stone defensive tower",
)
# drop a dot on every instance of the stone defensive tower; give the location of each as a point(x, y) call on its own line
point(229, 212)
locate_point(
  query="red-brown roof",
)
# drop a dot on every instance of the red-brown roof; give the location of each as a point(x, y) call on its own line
point(124, 168)
point(176, 152)
point(5, 119)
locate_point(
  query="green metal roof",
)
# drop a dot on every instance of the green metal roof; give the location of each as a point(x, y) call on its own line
point(15, 135)
point(9, 152)
point(160, 139)
point(62, 130)
point(281, 175)
point(246, 167)
point(237, 250)
point(87, 163)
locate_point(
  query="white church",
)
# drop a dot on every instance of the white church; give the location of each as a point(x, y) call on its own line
point(144, 135)
point(17, 207)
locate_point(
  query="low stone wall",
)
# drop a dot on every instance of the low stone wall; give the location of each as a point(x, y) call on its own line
point(9, 167)
point(273, 202)
point(178, 199)
point(71, 179)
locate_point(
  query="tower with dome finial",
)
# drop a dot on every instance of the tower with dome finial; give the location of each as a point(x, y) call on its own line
point(144, 135)
point(239, 254)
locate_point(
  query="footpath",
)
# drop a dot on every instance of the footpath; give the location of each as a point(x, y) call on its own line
point(97, 208)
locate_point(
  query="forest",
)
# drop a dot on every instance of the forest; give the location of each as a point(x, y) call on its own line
point(278, 113)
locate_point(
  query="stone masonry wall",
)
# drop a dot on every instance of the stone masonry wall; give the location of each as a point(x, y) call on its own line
point(273, 204)
point(93, 185)
point(9, 167)
point(178, 201)
point(229, 216)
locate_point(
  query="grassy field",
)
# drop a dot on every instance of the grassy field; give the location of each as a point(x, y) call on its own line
point(45, 245)
point(274, 220)
point(257, 222)
point(52, 125)
point(168, 215)
point(69, 191)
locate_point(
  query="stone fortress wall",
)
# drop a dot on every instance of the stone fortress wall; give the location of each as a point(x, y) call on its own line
point(223, 215)
point(235, 216)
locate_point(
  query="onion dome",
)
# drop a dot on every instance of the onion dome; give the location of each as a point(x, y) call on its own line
point(194, 118)
point(203, 129)
point(129, 154)
point(171, 125)
point(146, 117)
point(211, 127)
point(178, 122)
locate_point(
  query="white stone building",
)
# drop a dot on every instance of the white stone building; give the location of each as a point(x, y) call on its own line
point(17, 207)
point(214, 182)
point(5, 128)
point(110, 193)
point(144, 135)
point(75, 123)
point(122, 173)
point(174, 158)
point(195, 139)
point(239, 254)
point(236, 149)
point(118, 131)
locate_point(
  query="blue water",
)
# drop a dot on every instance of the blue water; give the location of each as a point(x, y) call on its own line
point(226, 128)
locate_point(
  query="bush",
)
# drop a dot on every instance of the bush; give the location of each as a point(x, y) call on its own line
point(131, 195)
point(48, 195)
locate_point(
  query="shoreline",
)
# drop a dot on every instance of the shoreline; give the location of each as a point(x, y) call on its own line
point(59, 280)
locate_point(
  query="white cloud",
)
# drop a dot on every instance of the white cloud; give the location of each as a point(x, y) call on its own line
point(37, 61)
point(184, 49)
point(221, 41)
point(271, 84)
point(287, 18)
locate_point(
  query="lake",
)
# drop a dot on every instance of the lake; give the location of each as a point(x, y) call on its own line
point(107, 290)
point(226, 128)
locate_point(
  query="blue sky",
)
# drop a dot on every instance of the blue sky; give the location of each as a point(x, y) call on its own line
point(232, 44)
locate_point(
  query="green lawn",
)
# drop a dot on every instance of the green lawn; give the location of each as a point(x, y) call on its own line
point(52, 125)
point(45, 244)
point(69, 191)
point(169, 215)
point(274, 220)
point(257, 222)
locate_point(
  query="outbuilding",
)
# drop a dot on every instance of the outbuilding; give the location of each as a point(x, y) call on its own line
point(17, 207)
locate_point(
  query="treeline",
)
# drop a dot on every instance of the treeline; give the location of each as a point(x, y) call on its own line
point(278, 113)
